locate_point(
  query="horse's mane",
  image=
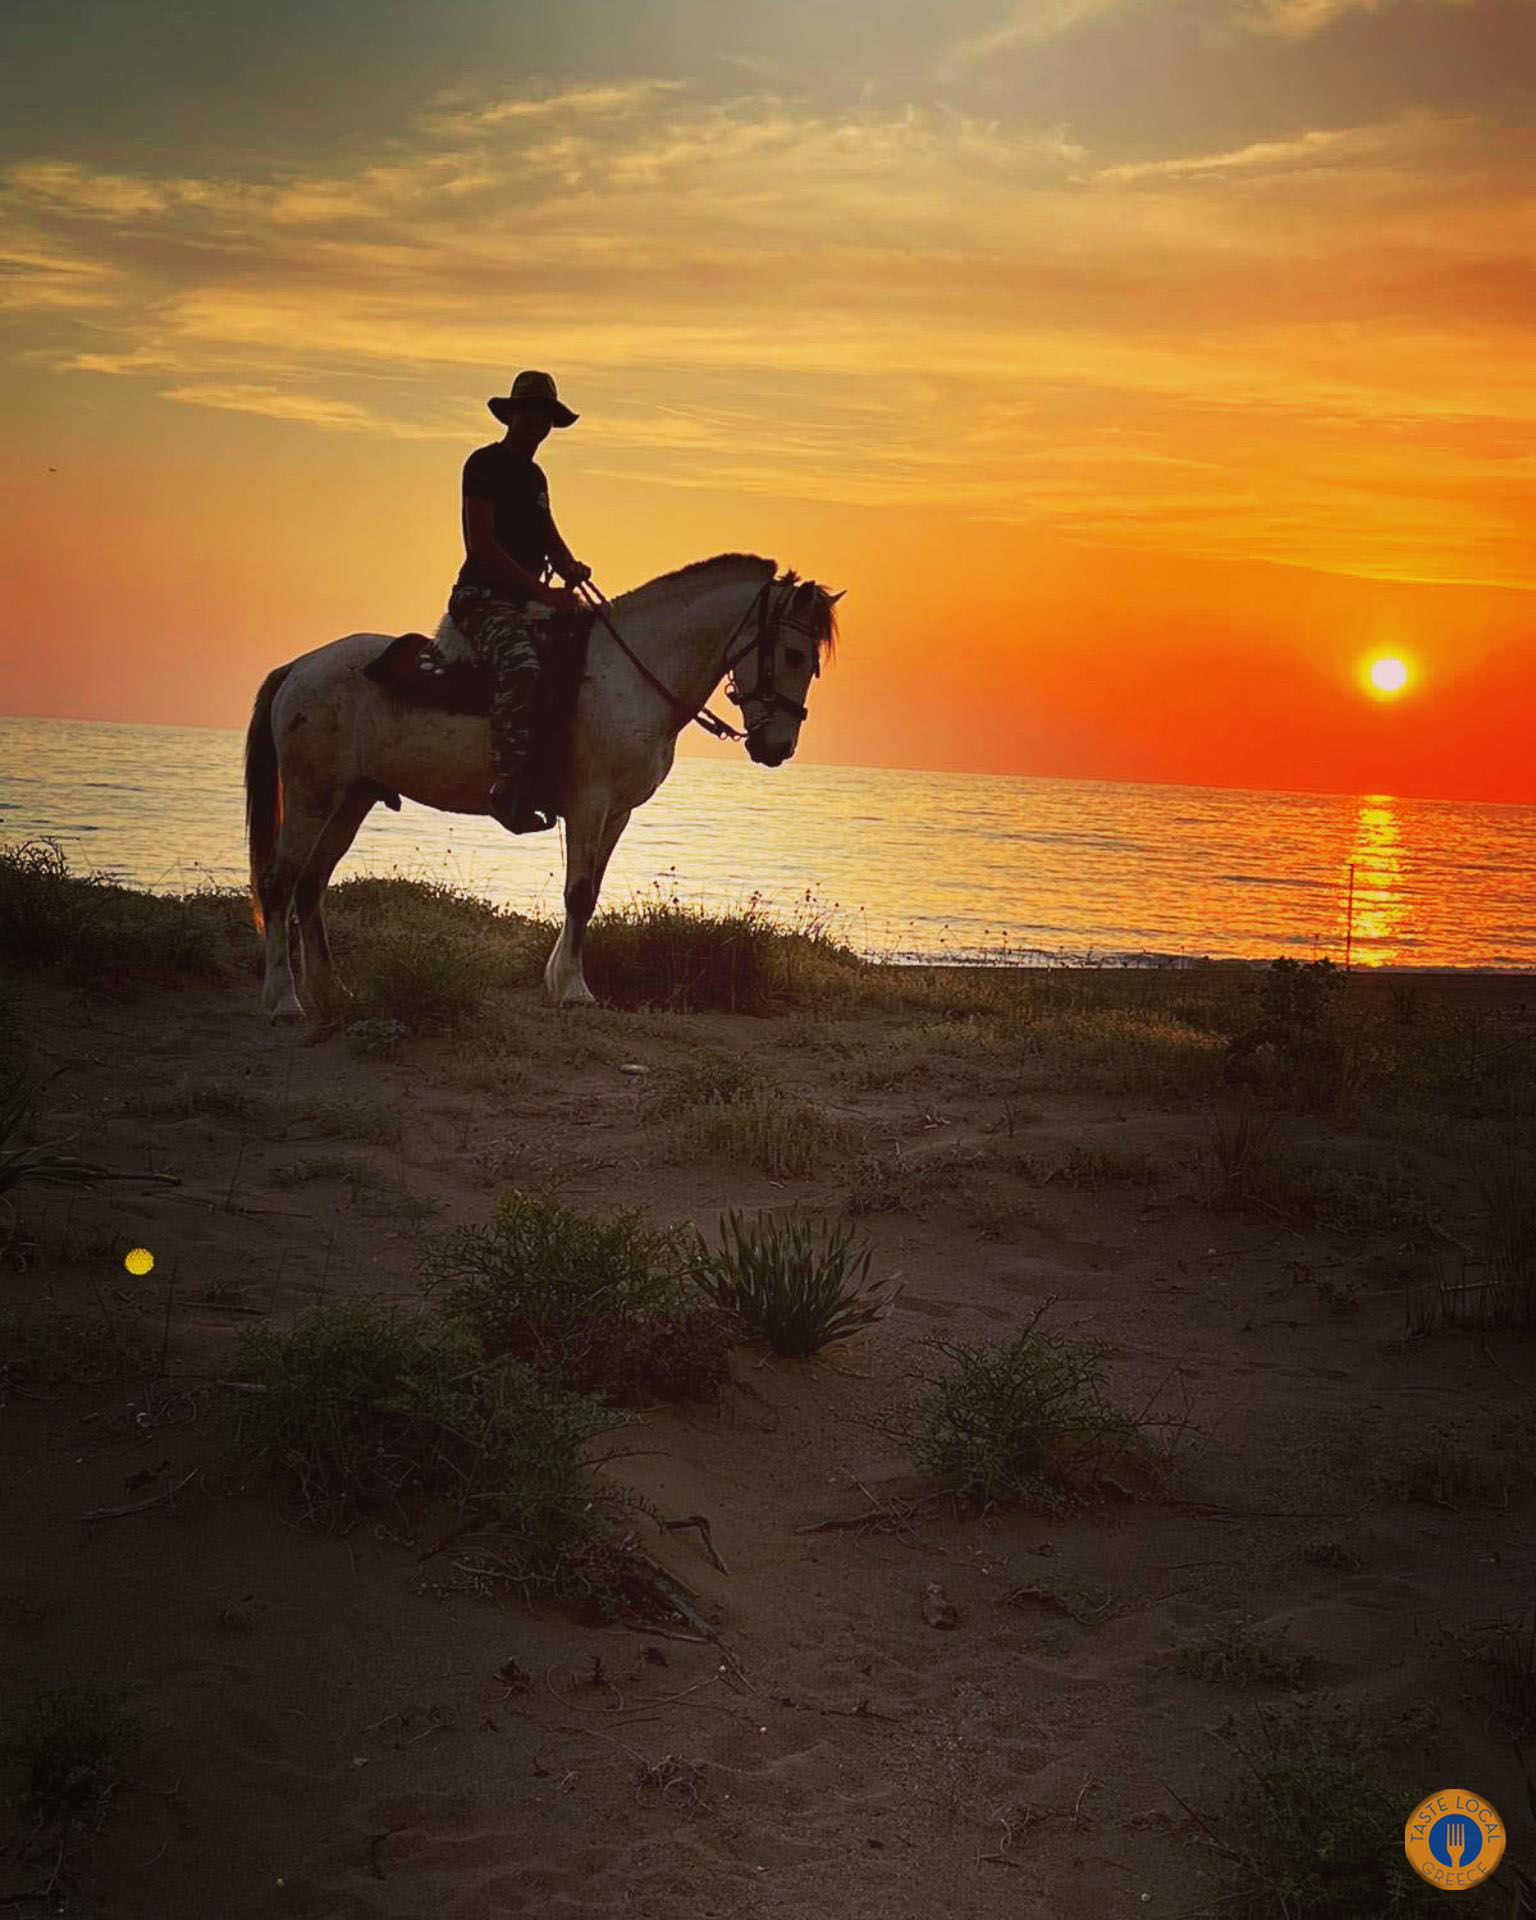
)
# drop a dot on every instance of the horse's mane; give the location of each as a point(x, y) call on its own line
point(826, 622)
point(703, 566)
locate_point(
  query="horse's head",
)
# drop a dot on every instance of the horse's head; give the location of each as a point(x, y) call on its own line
point(796, 630)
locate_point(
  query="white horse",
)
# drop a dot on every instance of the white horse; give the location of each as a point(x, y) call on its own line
point(327, 743)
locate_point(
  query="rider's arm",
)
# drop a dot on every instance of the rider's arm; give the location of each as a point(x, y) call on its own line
point(488, 554)
point(566, 563)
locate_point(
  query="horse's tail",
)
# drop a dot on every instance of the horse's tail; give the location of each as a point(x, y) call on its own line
point(263, 788)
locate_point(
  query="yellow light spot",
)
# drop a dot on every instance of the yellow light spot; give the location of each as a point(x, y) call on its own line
point(139, 1261)
point(1387, 674)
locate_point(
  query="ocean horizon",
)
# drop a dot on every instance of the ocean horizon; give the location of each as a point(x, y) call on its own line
point(905, 865)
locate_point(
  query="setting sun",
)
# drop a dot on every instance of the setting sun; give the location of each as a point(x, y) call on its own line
point(1386, 675)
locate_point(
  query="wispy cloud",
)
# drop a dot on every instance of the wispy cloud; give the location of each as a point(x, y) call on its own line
point(1300, 19)
point(1296, 349)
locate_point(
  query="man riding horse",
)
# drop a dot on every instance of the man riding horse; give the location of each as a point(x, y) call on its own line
point(501, 601)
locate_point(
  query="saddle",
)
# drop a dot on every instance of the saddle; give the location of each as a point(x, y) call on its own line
point(413, 670)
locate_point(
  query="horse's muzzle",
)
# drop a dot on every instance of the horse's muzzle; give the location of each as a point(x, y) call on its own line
point(769, 756)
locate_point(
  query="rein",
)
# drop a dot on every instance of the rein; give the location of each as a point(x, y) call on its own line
point(762, 641)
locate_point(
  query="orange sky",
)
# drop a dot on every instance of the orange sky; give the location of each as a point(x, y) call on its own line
point(1138, 366)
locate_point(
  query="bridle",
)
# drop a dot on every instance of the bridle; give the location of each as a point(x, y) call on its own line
point(763, 641)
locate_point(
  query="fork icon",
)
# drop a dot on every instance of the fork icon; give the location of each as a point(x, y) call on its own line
point(1456, 1841)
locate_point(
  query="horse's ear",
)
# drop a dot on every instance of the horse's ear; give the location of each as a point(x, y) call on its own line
point(803, 596)
point(833, 598)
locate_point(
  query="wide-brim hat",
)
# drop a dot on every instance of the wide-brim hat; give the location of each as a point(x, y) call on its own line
point(532, 389)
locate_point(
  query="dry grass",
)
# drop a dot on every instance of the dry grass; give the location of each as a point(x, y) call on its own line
point(786, 1139)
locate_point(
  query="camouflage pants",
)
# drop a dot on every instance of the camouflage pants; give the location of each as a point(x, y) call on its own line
point(510, 638)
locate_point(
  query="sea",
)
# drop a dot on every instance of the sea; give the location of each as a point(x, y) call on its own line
point(906, 866)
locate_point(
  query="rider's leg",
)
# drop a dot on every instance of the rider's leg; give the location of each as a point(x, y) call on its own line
point(502, 635)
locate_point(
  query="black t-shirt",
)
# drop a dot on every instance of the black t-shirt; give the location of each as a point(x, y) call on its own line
point(519, 494)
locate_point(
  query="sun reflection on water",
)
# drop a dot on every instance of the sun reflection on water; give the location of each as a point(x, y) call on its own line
point(1382, 908)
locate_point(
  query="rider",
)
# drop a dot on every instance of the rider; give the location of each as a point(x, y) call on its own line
point(500, 601)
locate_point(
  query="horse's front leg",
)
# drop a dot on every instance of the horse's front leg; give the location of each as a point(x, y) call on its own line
point(591, 833)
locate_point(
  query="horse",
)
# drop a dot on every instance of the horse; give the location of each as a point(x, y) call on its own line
point(327, 743)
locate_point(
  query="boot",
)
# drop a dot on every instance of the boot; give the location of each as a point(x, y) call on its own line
point(511, 807)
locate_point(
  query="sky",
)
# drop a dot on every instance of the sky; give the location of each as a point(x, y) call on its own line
point(1140, 368)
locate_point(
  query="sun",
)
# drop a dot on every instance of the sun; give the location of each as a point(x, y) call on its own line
point(1386, 675)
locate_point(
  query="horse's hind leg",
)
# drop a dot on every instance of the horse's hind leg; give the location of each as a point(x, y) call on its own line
point(302, 827)
point(338, 834)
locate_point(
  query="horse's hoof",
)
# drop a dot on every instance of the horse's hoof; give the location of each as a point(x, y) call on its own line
point(287, 1012)
point(580, 995)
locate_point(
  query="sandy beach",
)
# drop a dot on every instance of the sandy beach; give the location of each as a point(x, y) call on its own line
point(1330, 1516)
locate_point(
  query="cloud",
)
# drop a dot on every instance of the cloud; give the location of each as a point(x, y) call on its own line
point(1308, 349)
point(1300, 19)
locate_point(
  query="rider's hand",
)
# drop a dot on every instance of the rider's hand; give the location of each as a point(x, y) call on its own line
point(577, 574)
point(561, 599)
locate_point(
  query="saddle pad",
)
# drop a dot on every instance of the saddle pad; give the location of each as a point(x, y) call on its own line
point(410, 670)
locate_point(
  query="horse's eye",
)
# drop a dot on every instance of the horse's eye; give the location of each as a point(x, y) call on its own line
point(794, 656)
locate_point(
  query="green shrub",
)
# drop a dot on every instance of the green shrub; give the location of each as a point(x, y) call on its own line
point(599, 1305)
point(361, 1408)
point(657, 952)
point(110, 939)
point(795, 1284)
point(415, 978)
point(73, 1745)
point(1316, 1833)
point(1025, 1424)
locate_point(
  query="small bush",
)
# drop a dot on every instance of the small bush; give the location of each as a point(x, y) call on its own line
point(1316, 1833)
point(109, 939)
point(419, 981)
point(73, 1745)
point(894, 1181)
point(599, 1305)
point(1026, 1424)
point(1237, 1166)
point(786, 1139)
point(798, 1285)
point(659, 953)
point(361, 1408)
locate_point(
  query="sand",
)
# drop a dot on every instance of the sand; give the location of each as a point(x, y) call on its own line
point(326, 1733)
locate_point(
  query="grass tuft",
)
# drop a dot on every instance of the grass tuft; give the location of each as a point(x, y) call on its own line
point(1315, 1832)
point(1026, 1424)
point(1236, 1654)
point(798, 1285)
point(73, 1745)
point(362, 1409)
point(784, 1138)
point(597, 1305)
point(657, 952)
